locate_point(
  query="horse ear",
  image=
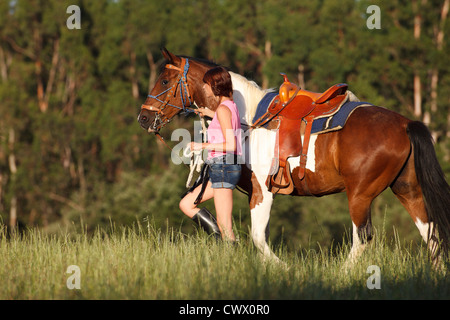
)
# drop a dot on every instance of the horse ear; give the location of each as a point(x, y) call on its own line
point(171, 58)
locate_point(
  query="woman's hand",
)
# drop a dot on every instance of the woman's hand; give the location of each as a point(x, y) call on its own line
point(205, 112)
point(196, 146)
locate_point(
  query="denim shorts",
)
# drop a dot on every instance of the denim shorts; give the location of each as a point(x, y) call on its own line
point(223, 174)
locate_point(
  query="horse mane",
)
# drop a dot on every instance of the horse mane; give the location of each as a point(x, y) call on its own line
point(246, 93)
point(206, 62)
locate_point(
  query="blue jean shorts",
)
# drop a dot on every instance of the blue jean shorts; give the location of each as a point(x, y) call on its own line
point(223, 175)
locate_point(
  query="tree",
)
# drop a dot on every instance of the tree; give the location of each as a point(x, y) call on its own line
point(69, 142)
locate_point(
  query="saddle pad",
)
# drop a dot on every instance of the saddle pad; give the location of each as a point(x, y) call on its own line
point(337, 120)
point(264, 104)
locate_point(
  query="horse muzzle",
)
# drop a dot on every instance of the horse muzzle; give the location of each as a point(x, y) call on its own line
point(150, 130)
point(149, 122)
point(144, 121)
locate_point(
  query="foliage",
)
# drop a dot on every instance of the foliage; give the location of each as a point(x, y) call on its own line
point(71, 150)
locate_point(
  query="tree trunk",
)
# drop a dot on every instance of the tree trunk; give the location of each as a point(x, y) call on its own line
point(153, 71)
point(1, 191)
point(439, 40)
point(417, 96)
point(83, 183)
point(13, 170)
point(5, 61)
point(267, 57)
point(301, 76)
point(134, 78)
point(417, 82)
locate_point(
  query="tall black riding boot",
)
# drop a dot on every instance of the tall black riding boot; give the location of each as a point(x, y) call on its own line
point(206, 220)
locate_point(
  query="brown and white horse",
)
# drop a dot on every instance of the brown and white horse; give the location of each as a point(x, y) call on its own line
point(376, 149)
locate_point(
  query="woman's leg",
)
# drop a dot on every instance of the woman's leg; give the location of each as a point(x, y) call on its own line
point(223, 201)
point(202, 217)
point(187, 203)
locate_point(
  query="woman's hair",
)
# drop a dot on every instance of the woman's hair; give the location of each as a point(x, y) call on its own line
point(220, 81)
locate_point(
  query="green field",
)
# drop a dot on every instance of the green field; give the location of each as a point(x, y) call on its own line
point(143, 262)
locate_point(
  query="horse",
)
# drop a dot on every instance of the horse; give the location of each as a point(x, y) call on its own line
point(377, 149)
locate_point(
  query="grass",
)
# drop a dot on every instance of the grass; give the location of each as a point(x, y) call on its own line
point(143, 262)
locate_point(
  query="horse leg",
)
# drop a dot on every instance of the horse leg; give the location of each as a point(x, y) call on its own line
point(261, 152)
point(360, 214)
point(407, 189)
point(260, 204)
point(373, 166)
point(260, 215)
point(423, 190)
point(434, 189)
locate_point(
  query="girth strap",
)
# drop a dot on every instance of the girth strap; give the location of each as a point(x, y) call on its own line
point(304, 155)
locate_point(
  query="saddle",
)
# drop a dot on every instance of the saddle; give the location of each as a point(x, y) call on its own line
point(292, 112)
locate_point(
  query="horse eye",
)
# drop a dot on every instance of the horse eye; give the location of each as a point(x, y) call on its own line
point(164, 82)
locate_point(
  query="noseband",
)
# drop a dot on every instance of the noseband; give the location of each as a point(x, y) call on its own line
point(161, 119)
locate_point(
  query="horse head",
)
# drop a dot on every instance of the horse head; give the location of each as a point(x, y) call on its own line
point(178, 85)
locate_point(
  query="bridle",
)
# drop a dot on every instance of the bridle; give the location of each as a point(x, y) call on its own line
point(161, 118)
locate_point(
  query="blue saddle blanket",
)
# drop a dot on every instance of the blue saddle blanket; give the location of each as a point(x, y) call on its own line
point(337, 120)
point(264, 104)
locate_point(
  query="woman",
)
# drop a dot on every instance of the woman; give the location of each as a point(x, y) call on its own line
point(224, 148)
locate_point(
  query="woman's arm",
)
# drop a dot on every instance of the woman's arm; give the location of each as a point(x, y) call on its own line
point(229, 145)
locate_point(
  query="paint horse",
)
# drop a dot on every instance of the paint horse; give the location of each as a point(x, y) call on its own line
point(376, 149)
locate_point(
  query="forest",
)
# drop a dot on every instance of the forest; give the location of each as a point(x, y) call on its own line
point(72, 154)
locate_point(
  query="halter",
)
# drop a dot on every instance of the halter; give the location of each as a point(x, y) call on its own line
point(185, 96)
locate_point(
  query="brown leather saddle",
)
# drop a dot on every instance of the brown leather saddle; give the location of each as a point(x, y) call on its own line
point(292, 112)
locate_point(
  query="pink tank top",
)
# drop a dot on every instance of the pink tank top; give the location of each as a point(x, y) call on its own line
point(215, 131)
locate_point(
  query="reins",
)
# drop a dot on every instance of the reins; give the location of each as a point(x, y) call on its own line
point(167, 145)
point(196, 162)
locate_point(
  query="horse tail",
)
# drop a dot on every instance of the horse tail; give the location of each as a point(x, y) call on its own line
point(431, 178)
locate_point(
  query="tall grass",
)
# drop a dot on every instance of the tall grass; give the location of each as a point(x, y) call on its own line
point(143, 262)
